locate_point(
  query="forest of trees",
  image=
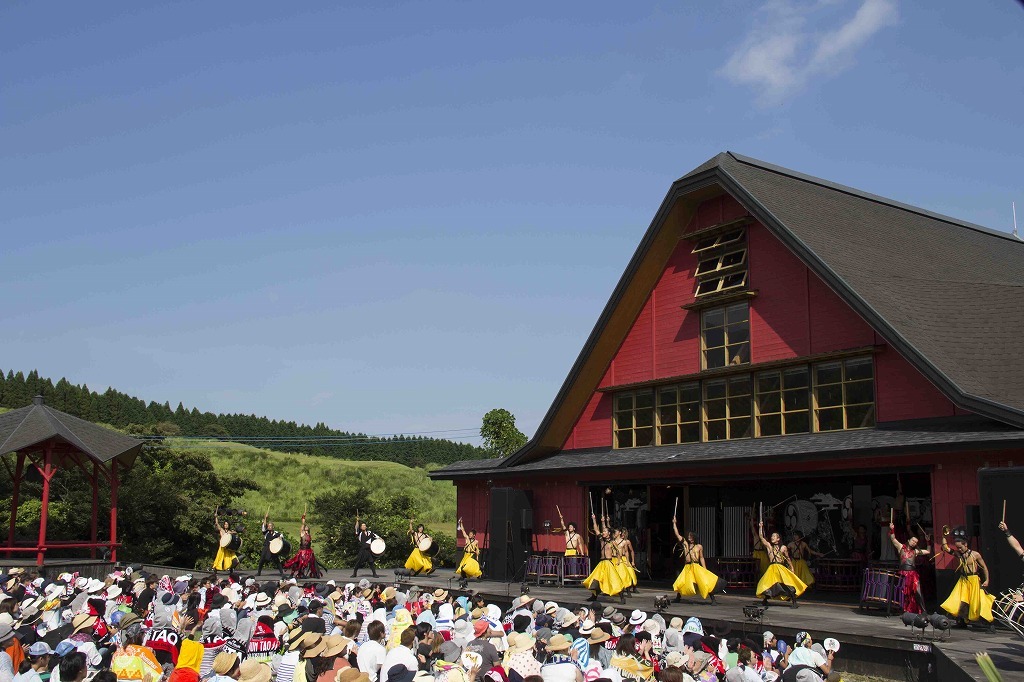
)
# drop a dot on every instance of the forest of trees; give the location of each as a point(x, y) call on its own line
point(135, 415)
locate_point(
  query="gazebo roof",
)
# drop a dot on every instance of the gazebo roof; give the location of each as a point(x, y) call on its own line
point(30, 426)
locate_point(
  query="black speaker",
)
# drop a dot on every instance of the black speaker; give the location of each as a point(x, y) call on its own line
point(996, 486)
point(510, 525)
point(972, 517)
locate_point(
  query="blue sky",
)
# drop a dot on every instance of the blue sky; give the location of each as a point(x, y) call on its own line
point(395, 216)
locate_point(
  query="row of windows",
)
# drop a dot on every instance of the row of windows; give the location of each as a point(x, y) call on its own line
point(826, 396)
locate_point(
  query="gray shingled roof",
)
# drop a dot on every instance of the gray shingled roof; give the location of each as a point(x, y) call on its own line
point(26, 427)
point(945, 293)
point(949, 292)
point(903, 437)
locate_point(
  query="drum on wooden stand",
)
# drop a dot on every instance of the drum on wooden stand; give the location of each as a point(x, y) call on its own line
point(424, 544)
point(377, 546)
point(231, 541)
point(1009, 609)
point(279, 546)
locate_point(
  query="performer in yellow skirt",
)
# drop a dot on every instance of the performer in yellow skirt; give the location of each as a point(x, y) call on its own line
point(418, 562)
point(605, 577)
point(469, 567)
point(799, 552)
point(778, 581)
point(968, 600)
point(627, 567)
point(695, 577)
point(759, 552)
point(226, 559)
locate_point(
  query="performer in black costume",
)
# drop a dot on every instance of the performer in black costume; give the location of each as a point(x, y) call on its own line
point(266, 556)
point(365, 537)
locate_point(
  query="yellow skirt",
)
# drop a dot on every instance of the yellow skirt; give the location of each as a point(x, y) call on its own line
point(968, 591)
point(225, 559)
point(762, 559)
point(469, 567)
point(607, 577)
point(571, 552)
point(695, 579)
point(626, 573)
point(418, 561)
point(803, 571)
point(775, 578)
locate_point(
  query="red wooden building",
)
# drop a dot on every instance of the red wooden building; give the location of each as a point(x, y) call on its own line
point(780, 339)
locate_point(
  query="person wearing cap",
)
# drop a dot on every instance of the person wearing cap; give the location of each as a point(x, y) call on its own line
point(37, 661)
point(804, 656)
point(968, 601)
point(561, 665)
point(695, 578)
point(469, 566)
point(606, 577)
point(482, 645)
point(779, 581)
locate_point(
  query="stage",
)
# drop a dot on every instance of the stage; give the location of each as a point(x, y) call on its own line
point(871, 643)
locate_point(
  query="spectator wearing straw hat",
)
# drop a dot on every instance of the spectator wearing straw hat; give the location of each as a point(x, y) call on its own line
point(561, 665)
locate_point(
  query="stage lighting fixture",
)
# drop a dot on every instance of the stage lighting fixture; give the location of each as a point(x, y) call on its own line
point(524, 589)
point(661, 602)
point(908, 618)
point(754, 612)
point(939, 622)
point(921, 621)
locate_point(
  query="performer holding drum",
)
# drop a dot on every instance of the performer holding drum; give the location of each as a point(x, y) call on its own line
point(228, 544)
point(469, 567)
point(366, 546)
point(419, 560)
point(272, 540)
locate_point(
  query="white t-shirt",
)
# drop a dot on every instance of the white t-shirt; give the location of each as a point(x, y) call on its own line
point(28, 676)
point(400, 655)
point(370, 658)
point(558, 672)
point(803, 655)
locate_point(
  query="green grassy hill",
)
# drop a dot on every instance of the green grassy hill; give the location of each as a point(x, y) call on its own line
point(290, 480)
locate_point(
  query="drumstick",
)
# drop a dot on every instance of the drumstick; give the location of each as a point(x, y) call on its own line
point(675, 510)
point(1004, 511)
point(591, 496)
point(760, 513)
point(890, 515)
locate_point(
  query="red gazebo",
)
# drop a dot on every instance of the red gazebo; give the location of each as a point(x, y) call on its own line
point(49, 439)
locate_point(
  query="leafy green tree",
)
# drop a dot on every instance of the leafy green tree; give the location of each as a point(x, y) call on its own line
point(500, 434)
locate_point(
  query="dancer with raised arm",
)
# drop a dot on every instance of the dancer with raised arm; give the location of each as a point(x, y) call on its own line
point(227, 545)
point(968, 601)
point(779, 581)
point(913, 598)
point(605, 578)
point(695, 578)
point(418, 562)
point(469, 567)
point(303, 564)
point(574, 545)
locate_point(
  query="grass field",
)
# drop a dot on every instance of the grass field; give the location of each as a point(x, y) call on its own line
point(290, 480)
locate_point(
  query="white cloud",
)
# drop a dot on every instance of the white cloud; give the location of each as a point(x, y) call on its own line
point(792, 43)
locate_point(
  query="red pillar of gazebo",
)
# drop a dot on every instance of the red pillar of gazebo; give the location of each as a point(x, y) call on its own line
point(46, 471)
